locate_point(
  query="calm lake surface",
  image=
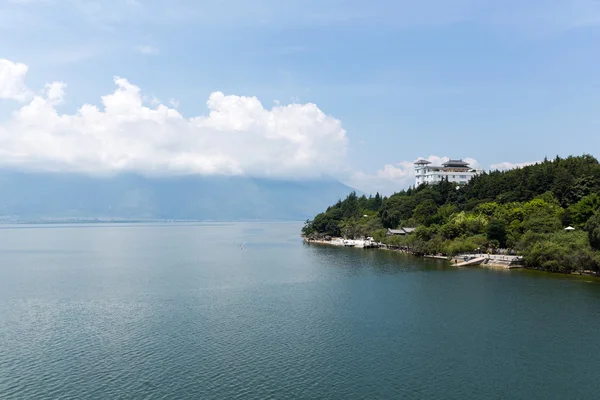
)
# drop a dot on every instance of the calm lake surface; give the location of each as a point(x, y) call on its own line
point(170, 311)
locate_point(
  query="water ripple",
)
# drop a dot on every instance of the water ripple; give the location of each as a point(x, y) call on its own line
point(174, 313)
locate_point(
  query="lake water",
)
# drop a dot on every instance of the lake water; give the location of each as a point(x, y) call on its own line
point(186, 311)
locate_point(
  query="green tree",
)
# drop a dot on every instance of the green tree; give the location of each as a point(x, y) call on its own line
point(376, 203)
point(368, 225)
point(487, 209)
point(541, 216)
point(444, 213)
point(584, 209)
point(350, 206)
point(426, 233)
point(542, 223)
point(559, 252)
point(307, 229)
point(496, 230)
point(349, 227)
point(567, 218)
point(395, 209)
point(425, 212)
point(592, 227)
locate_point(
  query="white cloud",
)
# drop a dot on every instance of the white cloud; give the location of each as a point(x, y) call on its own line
point(146, 50)
point(55, 92)
point(238, 136)
point(392, 178)
point(389, 179)
point(12, 80)
point(503, 166)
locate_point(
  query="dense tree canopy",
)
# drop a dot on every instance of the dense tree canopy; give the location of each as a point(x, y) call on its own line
point(496, 230)
point(524, 209)
point(592, 227)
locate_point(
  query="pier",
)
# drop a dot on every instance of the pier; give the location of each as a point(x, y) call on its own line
point(492, 260)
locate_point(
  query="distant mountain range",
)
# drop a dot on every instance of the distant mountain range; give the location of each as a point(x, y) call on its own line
point(69, 196)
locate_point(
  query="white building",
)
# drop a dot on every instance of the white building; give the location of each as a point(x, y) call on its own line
point(453, 170)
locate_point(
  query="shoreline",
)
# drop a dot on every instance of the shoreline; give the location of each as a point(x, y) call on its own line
point(492, 264)
point(491, 261)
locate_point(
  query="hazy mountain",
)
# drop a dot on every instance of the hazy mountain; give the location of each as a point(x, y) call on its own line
point(51, 195)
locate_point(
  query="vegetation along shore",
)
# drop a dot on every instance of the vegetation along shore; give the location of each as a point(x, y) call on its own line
point(547, 213)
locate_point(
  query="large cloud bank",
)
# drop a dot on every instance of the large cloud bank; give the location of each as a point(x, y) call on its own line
point(238, 135)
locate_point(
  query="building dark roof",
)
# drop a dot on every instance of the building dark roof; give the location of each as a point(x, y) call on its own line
point(422, 162)
point(395, 232)
point(401, 231)
point(455, 163)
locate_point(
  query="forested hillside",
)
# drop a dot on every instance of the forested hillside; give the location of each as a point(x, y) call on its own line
point(523, 209)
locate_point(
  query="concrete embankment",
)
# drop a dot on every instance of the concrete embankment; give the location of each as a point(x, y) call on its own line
point(484, 260)
point(358, 243)
point(492, 260)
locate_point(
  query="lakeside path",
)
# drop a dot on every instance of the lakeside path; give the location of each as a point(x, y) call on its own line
point(490, 260)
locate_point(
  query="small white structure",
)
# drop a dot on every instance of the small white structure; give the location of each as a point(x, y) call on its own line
point(456, 171)
point(569, 228)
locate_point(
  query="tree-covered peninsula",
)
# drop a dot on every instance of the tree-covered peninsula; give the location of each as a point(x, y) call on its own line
point(524, 210)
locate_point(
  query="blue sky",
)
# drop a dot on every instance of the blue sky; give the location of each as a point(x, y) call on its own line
point(510, 82)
